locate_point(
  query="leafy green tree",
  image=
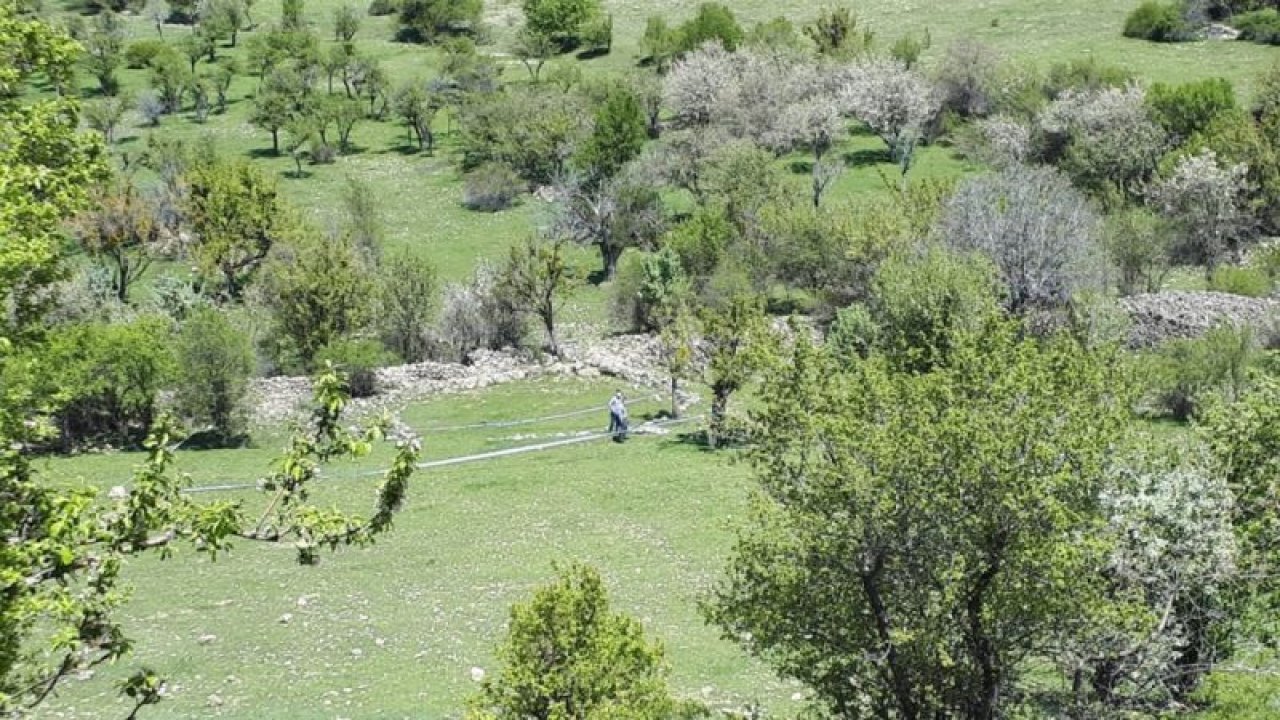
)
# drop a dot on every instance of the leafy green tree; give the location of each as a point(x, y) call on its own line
point(429, 19)
point(712, 22)
point(536, 279)
point(199, 43)
point(46, 169)
point(1184, 110)
point(104, 50)
point(417, 107)
point(837, 35)
point(1140, 245)
point(533, 49)
point(363, 217)
point(738, 344)
point(660, 42)
point(408, 297)
point(346, 23)
point(617, 136)
point(568, 655)
point(291, 15)
point(236, 215)
point(170, 78)
point(106, 115)
point(560, 20)
point(215, 361)
point(527, 129)
point(918, 537)
point(319, 290)
point(226, 17)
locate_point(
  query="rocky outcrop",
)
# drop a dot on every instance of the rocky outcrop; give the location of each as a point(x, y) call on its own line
point(633, 359)
point(1158, 317)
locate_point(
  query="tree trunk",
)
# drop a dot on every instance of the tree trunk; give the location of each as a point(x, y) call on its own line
point(609, 255)
point(675, 405)
point(719, 411)
point(902, 693)
point(986, 698)
point(275, 140)
point(549, 323)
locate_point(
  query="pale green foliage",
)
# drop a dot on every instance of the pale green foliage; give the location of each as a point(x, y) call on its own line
point(1139, 244)
point(408, 295)
point(1186, 373)
point(236, 215)
point(536, 280)
point(919, 536)
point(569, 656)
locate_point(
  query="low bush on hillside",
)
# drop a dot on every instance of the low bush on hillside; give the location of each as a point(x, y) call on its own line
point(1158, 22)
point(359, 360)
point(491, 187)
point(1247, 281)
point(1184, 374)
point(1259, 26)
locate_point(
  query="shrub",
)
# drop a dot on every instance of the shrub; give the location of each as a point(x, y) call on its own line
point(215, 360)
point(139, 55)
point(1247, 281)
point(1260, 26)
point(378, 8)
point(1184, 110)
point(428, 20)
point(1157, 21)
point(106, 378)
point(1183, 374)
point(854, 333)
point(407, 296)
point(491, 187)
point(712, 22)
point(1139, 243)
point(359, 361)
point(1088, 75)
point(475, 315)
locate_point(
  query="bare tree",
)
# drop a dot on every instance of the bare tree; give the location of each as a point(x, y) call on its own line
point(968, 78)
point(1039, 231)
point(625, 211)
point(536, 279)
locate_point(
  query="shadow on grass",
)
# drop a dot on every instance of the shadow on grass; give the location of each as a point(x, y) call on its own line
point(262, 153)
point(801, 167)
point(863, 158)
point(212, 440)
point(592, 54)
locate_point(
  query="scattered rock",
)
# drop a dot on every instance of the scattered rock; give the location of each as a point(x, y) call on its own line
point(206, 639)
point(286, 618)
point(1218, 31)
point(477, 674)
point(214, 700)
point(1159, 317)
point(118, 492)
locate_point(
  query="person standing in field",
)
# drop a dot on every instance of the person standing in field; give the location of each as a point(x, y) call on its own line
point(618, 417)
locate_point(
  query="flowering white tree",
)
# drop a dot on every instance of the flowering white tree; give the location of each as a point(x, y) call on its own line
point(698, 84)
point(1206, 199)
point(1107, 136)
point(1004, 141)
point(897, 103)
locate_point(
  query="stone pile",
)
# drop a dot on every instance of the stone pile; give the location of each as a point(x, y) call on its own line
point(1158, 317)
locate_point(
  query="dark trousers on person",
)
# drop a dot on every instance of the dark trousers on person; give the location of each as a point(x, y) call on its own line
point(617, 427)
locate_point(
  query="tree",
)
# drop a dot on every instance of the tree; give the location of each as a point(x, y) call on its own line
point(215, 361)
point(624, 212)
point(1140, 245)
point(1104, 139)
point(659, 43)
point(120, 229)
point(713, 22)
point(616, 138)
point(814, 126)
point(477, 314)
point(738, 344)
point(236, 215)
point(183, 11)
point(918, 537)
point(418, 108)
point(363, 220)
point(569, 655)
point(1038, 230)
point(170, 79)
point(346, 23)
point(285, 96)
point(408, 293)
point(536, 279)
point(836, 33)
point(428, 19)
point(291, 15)
point(319, 290)
point(197, 44)
point(894, 101)
point(1205, 199)
point(104, 50)
point(344, 113)
point(533, 49)
point(532, 130)
point(106, 114)
point(562, 21)
point(226, 18)
point(1184, 110)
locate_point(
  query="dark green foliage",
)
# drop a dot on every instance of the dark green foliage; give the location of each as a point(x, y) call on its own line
point(358, 360)
point(701, 241)
point(104, 380)
point(428, 20)
point(378, 8)
point(492, 187)
point(836, 34)
point(1184, 110)
point(236, 213)
point(1247, 281)
point(183, 11)
point(1139, 243)
point(1085, 75)
point(1261, 26)
point(617, 135)
point(568, 655)
point(776, 34)
point(215, 361)
point(291, 15)
point(103, 44)
point(1157, 21)
point(712, 22)
point(1185, 374)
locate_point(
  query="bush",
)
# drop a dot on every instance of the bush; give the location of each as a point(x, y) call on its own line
point(1247, 281)
point(428, 20)
point(476, 315)
point(106, 378)
point(491, 187)
point(139, 55)
point(1184, 110)
point(359, 360)
point(713, 22)
point(1088, 75)
point(1185, 373)
point(215, 360)
point(1260, 26)
point(1158, 22)
point(378, 8)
